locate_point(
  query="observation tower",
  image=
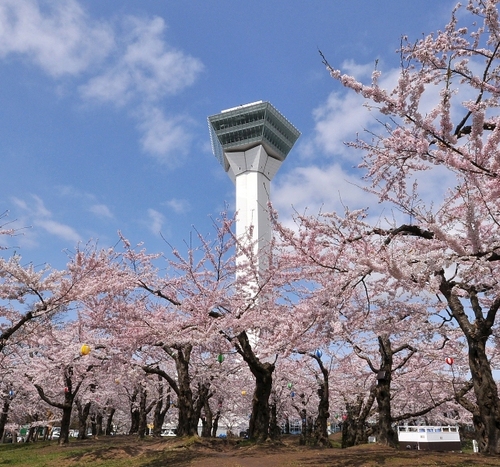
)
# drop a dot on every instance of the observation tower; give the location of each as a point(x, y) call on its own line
point(251, 142)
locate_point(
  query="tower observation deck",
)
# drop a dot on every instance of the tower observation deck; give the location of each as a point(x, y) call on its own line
point(251, 142)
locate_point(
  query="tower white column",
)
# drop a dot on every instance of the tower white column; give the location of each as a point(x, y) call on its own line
point(252, 172)
point(251, 142)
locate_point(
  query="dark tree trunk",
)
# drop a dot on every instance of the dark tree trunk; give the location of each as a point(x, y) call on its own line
point(66, 420)
point(354, 424)
point(99, 419)
point(202, 403)
point(486, 414)
point(141, 430)
point(93, 425)
point(144, 409)
point(4, 415)
point(181, 354)
point(382, 390)
point(385, 432)
point(66, 407)
point(303, 427)
point(83, 413)
point(188, 423)
point(134, 412)
point(134, 422)
point(487, 420)
point(161, 409)
point(353, 432)
point(310, 426)
point(215, 424)
point(263, 373)
point(287, 426)
point(321, 426)
point(109, 421)
point(30, 437)
point(274, 429)
point(259, 419)
point(207, 420)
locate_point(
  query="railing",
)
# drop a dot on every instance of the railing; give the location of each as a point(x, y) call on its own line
point(428, 429)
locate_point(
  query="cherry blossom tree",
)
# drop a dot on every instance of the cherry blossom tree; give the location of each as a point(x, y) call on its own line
point(41, 293)
point(29, 294)
point(203, 302)
point(61, 368)
point(445, 247)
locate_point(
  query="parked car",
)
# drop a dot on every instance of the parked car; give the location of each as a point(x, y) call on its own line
point(55, 433)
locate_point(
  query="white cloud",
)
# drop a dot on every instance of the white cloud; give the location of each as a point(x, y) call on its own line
point(318, 189)
point(39, 216)
point(358, 70)
point(145, 66)
point(155, 221)
point(144, 71)
point(88, 201)
point(58, 229)
point(179, 205)
point(58, 37)
point(343, 116)
point(140, 67)
point(40, 210)
point(337, 121)
point(332, 186)
point(165, 139)
point(101, 210)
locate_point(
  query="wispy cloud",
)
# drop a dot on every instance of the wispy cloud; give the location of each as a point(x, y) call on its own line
point(88, 201)
point(155, 221)
point(143, 66)
point(36, 214)
point(313, 189)
point(58, 229)
point(101, 210)
point(125, 63)
point(344, 115)
point(60, 38)
point(329, 185)
point(166, 139)
point(178, 205)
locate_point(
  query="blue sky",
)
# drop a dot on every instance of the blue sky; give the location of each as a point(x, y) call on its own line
point(104, 106)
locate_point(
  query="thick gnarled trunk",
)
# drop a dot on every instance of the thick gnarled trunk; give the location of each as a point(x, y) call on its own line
point(66, 421)
point(486, 414)
point(161, 409)
point(321, 425)
point(385, 432)
point(4, 415)
point(109, 421)
point(188, 423)
point(487, 419)
point(181, 354)
point(66, 406)
point(354, 424)
point(83, 414)
point(263, 373)
point(259, 419)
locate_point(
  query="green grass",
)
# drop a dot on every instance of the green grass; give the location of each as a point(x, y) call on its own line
point(29, 455)
point(49, 454)
point(129, 451)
